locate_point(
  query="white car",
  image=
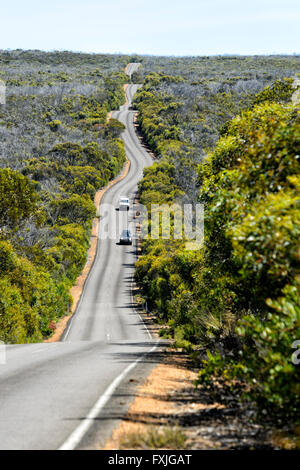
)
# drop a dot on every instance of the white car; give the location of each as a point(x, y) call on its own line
point(124, 203)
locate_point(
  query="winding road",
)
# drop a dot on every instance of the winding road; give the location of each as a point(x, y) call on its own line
point(71, 394)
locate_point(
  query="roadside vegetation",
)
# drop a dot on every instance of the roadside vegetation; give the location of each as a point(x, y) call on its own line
point(154, 438)
point(56, 150)
point(227, 135)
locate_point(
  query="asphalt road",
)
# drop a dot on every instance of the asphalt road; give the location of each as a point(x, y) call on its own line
point(132, 67)
point(71, 394)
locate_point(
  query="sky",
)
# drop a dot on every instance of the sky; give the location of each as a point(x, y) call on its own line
point(156, 27)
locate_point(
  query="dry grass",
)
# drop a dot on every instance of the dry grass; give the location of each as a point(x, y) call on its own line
point(287, 440)
point(154, 438)
point(147, 424)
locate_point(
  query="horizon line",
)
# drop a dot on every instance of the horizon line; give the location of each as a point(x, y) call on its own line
point(224, 54)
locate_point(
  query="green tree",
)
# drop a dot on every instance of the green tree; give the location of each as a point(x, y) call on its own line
point(18, 199)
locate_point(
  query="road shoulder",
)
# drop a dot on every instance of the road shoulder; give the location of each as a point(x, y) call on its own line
point(169, 413)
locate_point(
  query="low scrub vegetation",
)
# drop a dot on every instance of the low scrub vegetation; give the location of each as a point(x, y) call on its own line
point(234, 304)
point(56, 150)
point(155, 438)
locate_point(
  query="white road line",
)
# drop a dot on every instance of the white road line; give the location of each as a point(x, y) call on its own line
point(77, 435)
point(74, 439)
point(64, 337)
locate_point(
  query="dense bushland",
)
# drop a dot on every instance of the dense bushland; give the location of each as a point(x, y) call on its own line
point(238, 297)
point(185, 102)
point(56, 150)
point(250, 185)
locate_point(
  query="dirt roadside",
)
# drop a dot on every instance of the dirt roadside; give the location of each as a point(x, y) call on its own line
point(168, 412)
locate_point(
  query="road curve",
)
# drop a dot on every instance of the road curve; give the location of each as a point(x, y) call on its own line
point(70, 394)
point(132, 68)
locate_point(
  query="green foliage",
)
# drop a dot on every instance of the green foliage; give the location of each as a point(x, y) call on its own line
point(268, 365)
point(279, 91)
point(157, 118)
point(76, 209)
point(238, 296)
point(59, 150)
point(82, 180)
point(69, 249)
point(18, 198)
point(250, 184)
point(54, 125)
point(250, 189)
point(155, 79)
point(158, 185)
point(114, 128)
point(29, 298)
point(264, 365)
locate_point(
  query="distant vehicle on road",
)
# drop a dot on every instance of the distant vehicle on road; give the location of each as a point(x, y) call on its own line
point(125, 238)
point(124, 203)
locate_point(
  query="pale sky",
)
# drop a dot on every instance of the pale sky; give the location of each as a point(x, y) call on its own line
point(160, 27)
